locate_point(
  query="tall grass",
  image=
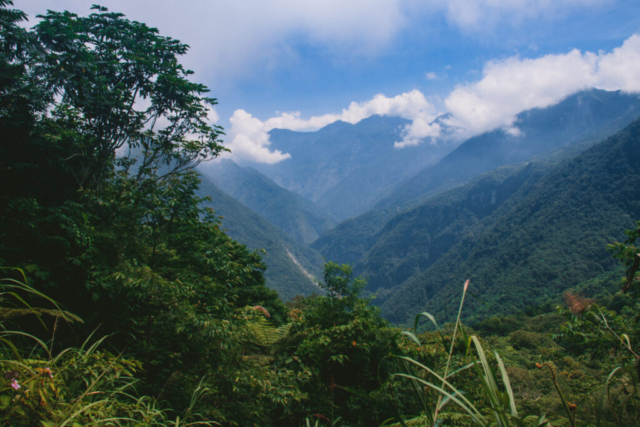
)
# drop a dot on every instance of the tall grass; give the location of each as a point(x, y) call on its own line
point(499, 408)
point(73, 386)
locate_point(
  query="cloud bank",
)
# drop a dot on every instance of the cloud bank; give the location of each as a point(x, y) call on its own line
point(516, 84)
point(507, 87)
point(480, 15)
point(249, 137)
point(229, 39)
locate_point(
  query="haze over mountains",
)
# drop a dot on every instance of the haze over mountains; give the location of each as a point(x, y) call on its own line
point(291, 267)
point(585, 117)
point(345, 169)
point(300, 218)
point(525, 212)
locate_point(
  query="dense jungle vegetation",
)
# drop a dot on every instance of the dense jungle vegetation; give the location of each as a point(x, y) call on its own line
point(123, 302)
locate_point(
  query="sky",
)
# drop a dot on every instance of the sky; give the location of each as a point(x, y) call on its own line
point(301, 65)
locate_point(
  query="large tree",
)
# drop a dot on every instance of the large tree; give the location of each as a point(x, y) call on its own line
point(101, 128)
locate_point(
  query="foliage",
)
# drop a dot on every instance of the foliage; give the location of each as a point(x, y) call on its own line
point(75, 386)
point(629, 255)
point(490, 399)
point(343, 341)
point(594, 379)
point(107, 218)
point(104, 214)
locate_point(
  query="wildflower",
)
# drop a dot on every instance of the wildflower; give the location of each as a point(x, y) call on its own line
point(46, 371)
point(573, 406)
point(14, 384)
point(354, 343)
point(539, 366)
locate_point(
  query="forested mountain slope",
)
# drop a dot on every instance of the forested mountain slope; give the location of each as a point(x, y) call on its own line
point(412, 241)
point(347, 168)
point(552, 239)
point(560, 130)
point(288, 264)
point(301, 219)
point(590, 114)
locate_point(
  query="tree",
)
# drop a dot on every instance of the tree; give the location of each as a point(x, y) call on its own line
point(629, 255)
point(101, 129)
point(343, 340)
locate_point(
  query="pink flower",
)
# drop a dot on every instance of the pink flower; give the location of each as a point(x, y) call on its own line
point(46, 371)
point(14, 384)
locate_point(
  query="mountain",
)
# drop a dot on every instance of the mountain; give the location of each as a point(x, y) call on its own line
point(291, 268)
point(561, 130)
point(549, 235)
point(301, 219)
point(412, 241)
point(589, 114)
point(347, 168)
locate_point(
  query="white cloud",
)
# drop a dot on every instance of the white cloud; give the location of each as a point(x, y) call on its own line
point(232, 38)
point(431, 75)
point(507, 87)
point(250, 140)
point(515, 84)
point(212, 115)
point(419, 129)
point(620, 69)
point(249, 137)
point(479, 15)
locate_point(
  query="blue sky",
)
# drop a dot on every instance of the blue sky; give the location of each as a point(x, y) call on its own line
point(482, 60)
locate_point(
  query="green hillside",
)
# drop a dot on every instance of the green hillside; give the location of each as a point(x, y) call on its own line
point(552, 239)
point(412, 241)
point(284, 258)
point(301, 219)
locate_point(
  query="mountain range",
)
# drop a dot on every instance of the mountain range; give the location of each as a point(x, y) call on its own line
point(345, 169)
point(548, 234)
point(525, 212)
point(561, 130)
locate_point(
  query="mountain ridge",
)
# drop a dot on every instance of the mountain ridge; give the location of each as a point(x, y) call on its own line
point(345, 168)
point(350, 240)
point(551, 239)
point(299, 218)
